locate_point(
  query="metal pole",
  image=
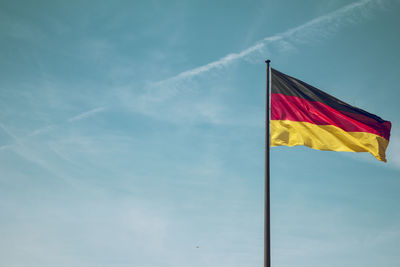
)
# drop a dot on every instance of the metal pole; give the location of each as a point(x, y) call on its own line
point(267, 221)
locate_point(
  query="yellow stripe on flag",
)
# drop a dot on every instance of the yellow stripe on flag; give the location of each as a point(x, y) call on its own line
point(326, 137)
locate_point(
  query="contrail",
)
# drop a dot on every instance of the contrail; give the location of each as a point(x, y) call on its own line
point(9, 133)
point(295, 35)
point(86, 114)
point(19, 141)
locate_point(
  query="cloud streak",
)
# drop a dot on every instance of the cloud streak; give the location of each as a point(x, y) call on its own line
point(317, 27)
point(86, 114)
point(20, 146)
point(160, 99)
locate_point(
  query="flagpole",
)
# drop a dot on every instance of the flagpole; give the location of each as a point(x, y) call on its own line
point(267, 221)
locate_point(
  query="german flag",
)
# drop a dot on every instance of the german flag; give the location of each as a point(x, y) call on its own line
point(304, 115)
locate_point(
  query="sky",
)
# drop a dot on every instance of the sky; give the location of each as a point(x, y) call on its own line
point(132, 133)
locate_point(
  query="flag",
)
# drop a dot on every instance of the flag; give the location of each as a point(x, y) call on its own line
point(304, 115)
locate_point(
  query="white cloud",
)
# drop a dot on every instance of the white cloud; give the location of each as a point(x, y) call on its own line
point(86, 114)
point(318, 27)
point(163, 99)
point(42, 130)
point(8, 132)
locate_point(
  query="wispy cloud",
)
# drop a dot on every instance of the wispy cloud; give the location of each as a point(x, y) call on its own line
point(41, 130)
point(317, 27)
point(8, 132)
point(86, 114)
point(226, 60)
point(47, 128)
point(161, 98)
point(153, 101)
point(22, 147)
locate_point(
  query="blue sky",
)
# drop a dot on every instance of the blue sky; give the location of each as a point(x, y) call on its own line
point(132, 133)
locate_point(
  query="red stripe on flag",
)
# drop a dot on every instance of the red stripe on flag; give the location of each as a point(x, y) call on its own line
point(293, 108)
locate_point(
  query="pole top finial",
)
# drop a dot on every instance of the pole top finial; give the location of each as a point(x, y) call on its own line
point(267, 61)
